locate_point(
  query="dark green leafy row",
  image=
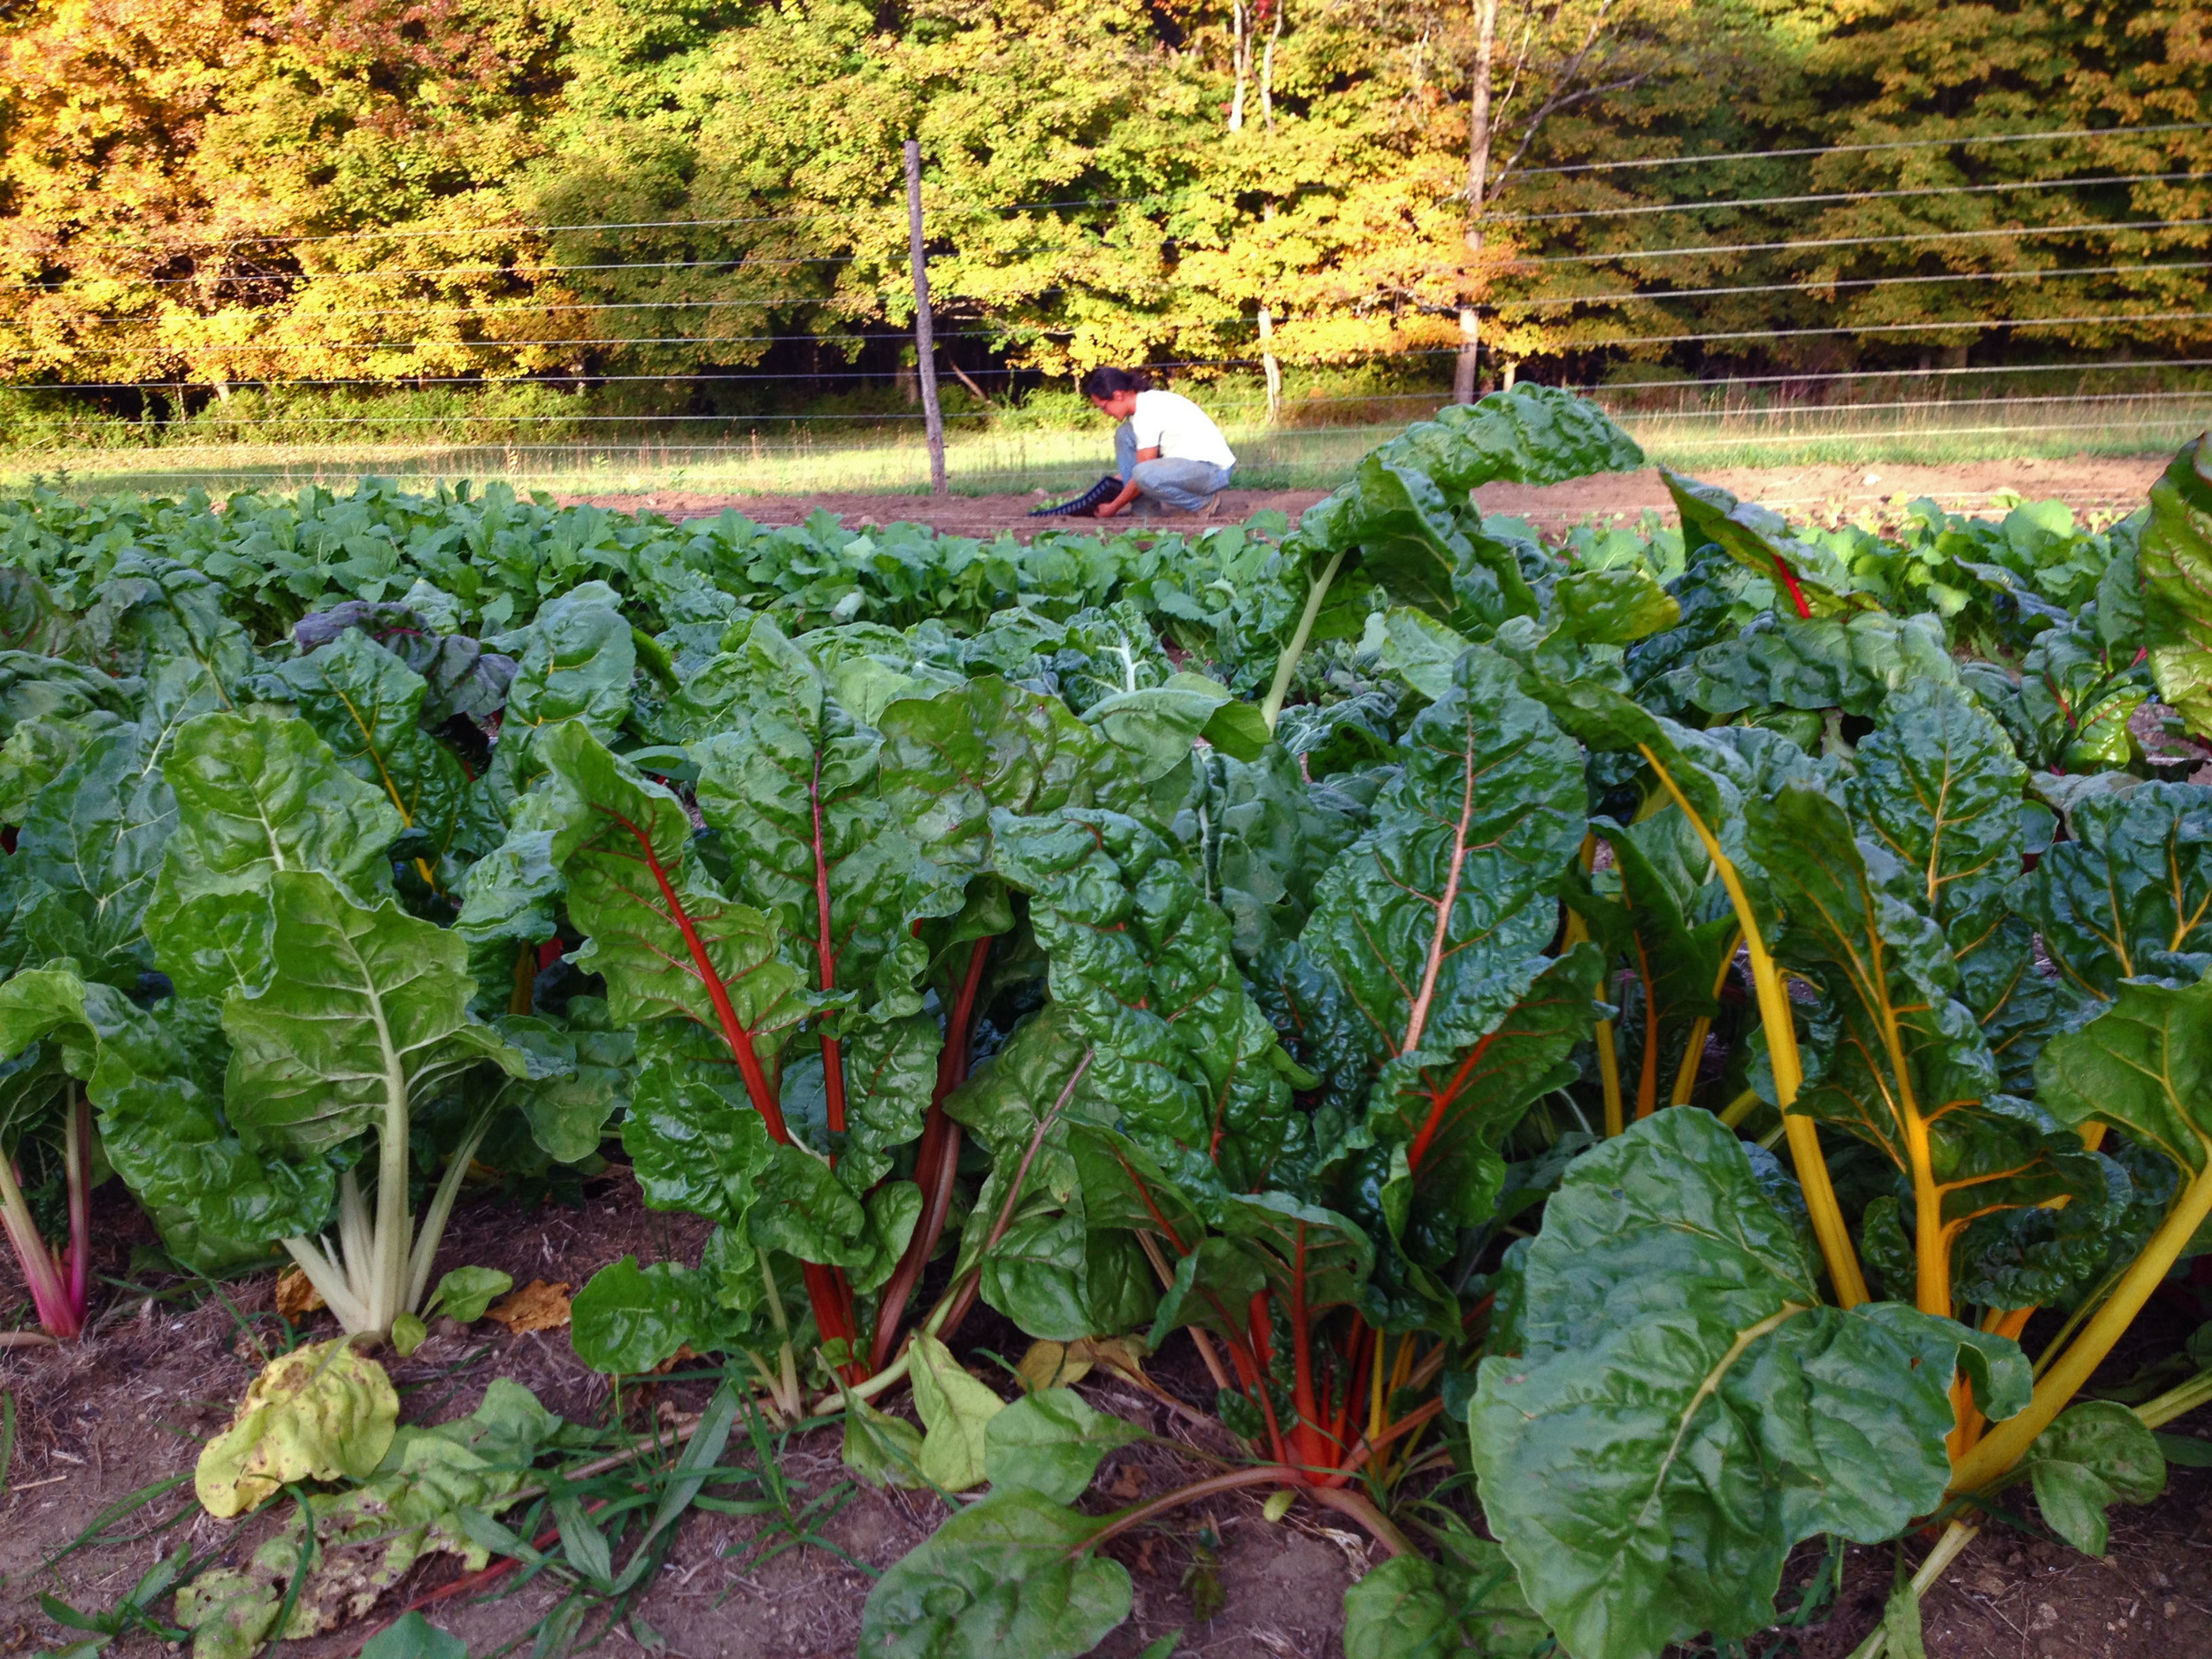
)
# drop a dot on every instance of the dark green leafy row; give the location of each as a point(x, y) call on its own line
point(1416, 1035)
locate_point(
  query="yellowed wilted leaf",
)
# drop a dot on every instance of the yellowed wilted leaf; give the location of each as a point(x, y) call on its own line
point(684, 1354)
point(296, 1295)
point(317, 1413)
point(537, 1306)
point(1049, 1365)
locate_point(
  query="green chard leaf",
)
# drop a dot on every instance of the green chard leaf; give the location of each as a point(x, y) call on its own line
point(1814, 581)
point(368, 706)
point(156, 1078)
point(360, 1004)
point(2176, 567)
point(1051, 1441)
point(1432, 928)
point(2094, 1455)
point(256, 794)
point(629, 1319)
point(2129, 893)
point(1007, 1573)
point(1408, 1607)
point(575, 662)
point(1674, 964)
point(791, 786)
point(1937, 785)
point(1144, 965)
point(87, 855)
point(668, 941)
point(1685, 1409)
point(1895, 1057)
point(1454, 880)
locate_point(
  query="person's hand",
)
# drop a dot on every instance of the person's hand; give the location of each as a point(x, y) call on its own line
point(1108, 508)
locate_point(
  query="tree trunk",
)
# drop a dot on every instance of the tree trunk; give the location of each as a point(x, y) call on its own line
point(1478, 187)
point(1267, 65)
point(1241, 54)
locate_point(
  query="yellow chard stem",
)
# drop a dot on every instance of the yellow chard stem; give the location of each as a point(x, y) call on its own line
point(1686, 1079)
point(1575, 932)
point(2004, 1444)
point(1781, 1029)
point(1610, 1079)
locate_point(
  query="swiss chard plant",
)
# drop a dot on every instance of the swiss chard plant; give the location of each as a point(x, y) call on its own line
point(1628, 1037)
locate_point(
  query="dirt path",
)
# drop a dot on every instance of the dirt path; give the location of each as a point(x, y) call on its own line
point(2086, 483)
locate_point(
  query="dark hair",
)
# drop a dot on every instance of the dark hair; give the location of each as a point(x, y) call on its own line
point(1106, 382)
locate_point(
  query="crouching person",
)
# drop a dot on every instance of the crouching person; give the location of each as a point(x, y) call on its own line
point(1168, 453)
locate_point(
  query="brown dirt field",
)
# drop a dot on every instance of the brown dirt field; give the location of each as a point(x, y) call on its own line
point(2086, 483)
point(130, 1406)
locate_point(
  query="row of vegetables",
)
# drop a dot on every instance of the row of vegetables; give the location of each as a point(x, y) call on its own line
point(1651, 1023)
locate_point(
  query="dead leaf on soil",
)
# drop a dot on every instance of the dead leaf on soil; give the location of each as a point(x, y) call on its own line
point(684, 1351)
point(296, 1295)
point(537, 1306)
point(1061, 1364)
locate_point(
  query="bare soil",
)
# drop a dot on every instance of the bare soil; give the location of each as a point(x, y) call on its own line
point(130, 1406)
point(2086, 483)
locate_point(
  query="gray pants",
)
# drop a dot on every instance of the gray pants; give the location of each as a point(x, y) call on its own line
point(1187, 486)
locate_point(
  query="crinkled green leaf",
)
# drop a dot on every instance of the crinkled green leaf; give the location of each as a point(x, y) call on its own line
point(1895, 1057)
point(363, 1005)
point(1051, 1441)
point(2130, 893)
point(88, 853)
point(575, 662)
point(1758, 539)
point(256, 794)
point(1614, 607)
point(666, 939)
point(1410, 1607)
point(2175, 568)
point(156, 1077)
point(629, 1319)
point(1144, 965)
point(1528, 434)
point(579, 1077)
point(1685, 1409)
point(1853, 663)
point(956, 1411)
point(1937, 784)
point(153, 610)
point(1452, 886)
point(2095, 1454)
point(1421, 650)
point(1148, 731)
point(464, 1294)
point(368, 706)
point(791, 786)
point(1396, 519)
point(1004, 1575)
point(2144, 1064)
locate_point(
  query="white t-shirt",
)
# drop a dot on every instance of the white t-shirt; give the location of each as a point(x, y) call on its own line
point(1178, 429)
